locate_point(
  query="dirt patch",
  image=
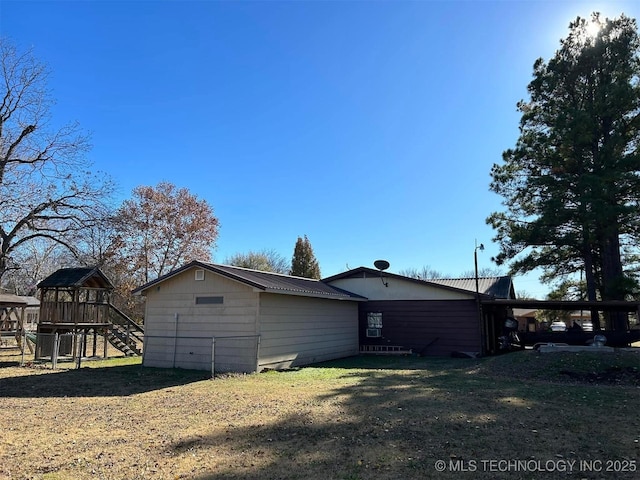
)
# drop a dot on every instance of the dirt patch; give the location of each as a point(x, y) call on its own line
point(610, 376)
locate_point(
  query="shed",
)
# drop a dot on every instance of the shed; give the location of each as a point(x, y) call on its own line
point(222, 318)
point(435, 317)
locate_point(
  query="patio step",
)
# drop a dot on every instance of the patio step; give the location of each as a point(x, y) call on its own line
point(385, 350)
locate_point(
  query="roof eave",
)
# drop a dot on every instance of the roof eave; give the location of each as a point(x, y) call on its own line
point(205, 266)
point(314, 295)
point(143, 288)
point(619, 305)
point(354, 271)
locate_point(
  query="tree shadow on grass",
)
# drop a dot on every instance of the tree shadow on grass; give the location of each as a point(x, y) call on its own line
point(98, 382)
point(400, 362)
point(392, 425)
point(10, 364)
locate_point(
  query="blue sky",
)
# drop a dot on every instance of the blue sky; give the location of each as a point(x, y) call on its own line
point(371, 127)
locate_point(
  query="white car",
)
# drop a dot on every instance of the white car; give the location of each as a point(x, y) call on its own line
point(558, 327)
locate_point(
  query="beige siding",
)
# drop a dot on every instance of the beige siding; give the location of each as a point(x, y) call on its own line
point(301, 330)
point(178, 333)
point(397, 289)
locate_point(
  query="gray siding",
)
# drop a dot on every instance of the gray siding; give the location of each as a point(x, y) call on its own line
point(171, 312)
point(301, 330)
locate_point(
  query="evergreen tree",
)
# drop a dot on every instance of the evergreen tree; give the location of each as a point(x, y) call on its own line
point(571, 185)
point(304, 263)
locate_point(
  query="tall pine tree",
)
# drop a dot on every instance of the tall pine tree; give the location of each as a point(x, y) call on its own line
point(571, 185)
point(304, 263)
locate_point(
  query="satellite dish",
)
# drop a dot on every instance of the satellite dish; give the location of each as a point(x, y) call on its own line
point(381, 264)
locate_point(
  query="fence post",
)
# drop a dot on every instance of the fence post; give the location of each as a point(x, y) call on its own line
point(257, 353)
point(213, 357)
point(54, 353)
point(175, 340)
point(81, 345)
point(24, 343)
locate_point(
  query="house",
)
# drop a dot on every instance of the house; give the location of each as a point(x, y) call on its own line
point(527, 321)
point(427, 317)
point(32, 313)
point(223, 318)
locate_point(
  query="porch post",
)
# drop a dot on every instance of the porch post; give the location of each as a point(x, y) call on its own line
point(478, 305)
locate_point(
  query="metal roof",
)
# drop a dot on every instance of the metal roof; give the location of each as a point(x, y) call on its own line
point(497, 287)
point(266, 281)
point(90, 277)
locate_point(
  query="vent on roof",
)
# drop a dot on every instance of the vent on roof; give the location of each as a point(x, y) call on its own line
point(199, 275)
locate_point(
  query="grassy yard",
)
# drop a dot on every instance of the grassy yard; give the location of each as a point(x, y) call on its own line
point(550, 416)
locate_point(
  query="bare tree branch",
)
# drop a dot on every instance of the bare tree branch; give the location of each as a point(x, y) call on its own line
point(46, 192)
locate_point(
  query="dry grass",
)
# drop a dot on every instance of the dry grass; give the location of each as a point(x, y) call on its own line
point(360, 418)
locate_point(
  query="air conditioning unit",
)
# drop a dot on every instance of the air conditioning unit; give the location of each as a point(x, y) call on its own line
point(373, 332)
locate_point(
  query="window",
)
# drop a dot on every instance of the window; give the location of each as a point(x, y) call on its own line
point(199, 275)
point(208, 300)
point(373, 332)
point(374, 324)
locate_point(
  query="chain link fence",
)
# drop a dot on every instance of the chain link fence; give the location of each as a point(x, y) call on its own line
point(219, 354)
point(28, 347)
point(47, 348)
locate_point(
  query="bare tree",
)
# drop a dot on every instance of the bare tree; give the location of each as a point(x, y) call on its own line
point(264, 260)
point(484, 272)
point(425, 273)
point(37, 259)
point(47, 191)
point(103, 246)
point(100, 244)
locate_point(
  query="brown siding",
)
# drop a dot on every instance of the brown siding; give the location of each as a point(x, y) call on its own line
point(428, 327)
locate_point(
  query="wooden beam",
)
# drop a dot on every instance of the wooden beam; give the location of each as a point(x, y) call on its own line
point(610, 305)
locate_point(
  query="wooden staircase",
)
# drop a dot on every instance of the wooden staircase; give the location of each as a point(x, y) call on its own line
point(125, 334)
